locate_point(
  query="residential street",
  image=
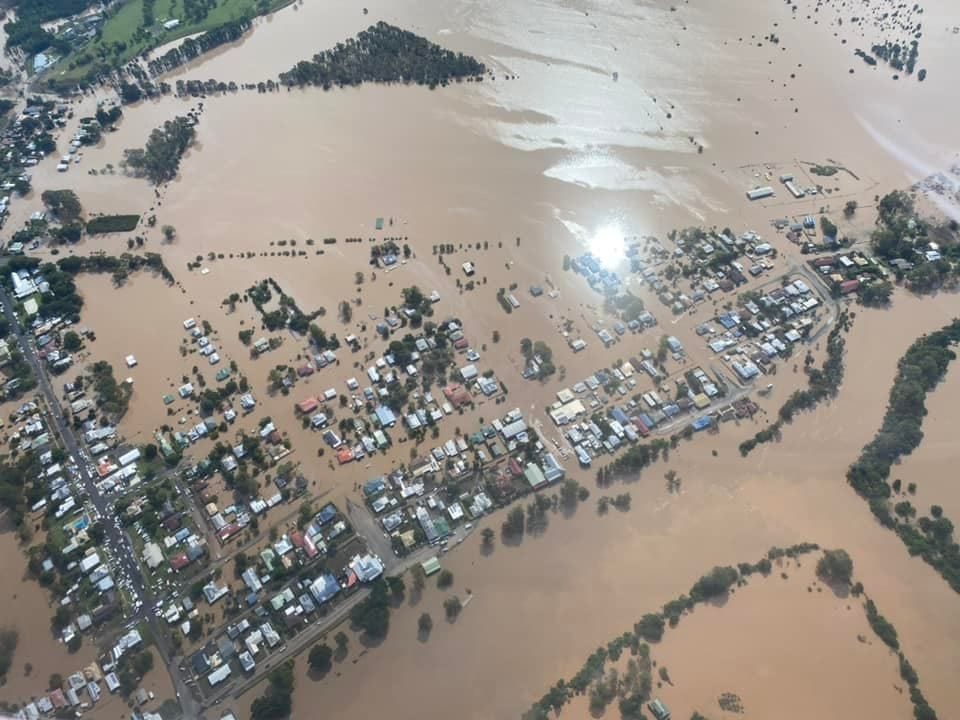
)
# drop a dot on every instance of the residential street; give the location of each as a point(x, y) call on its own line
point(117, 544)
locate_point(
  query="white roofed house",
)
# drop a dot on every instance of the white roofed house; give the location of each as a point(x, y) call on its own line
point(89, 562)
point(152, 555)
point(367, 567)
point(129, 457)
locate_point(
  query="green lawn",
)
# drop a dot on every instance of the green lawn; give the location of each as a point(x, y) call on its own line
point(123, 25)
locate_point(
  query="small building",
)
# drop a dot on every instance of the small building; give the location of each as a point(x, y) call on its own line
point(658, 710)
point(366, 567)
point(152, 555)
point(308, 405)
point(534, 476)
point(113, 682)
point(219, 675)
point(431, 566)
point(760, 193)
point(552, 470)
point(385, 416)
point(324, 588)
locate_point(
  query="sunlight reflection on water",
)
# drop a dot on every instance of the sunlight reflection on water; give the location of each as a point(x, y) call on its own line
point(607, 244)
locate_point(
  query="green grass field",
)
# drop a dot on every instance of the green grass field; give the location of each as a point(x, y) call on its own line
point(122, 27)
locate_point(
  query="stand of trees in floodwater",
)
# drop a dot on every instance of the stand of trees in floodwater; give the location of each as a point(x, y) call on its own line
point(384, 53)
point(159, 160)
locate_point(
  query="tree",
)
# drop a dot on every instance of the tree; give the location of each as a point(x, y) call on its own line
point(372, 615)
point(341, 640)
point(419, 577)
point(130, 92)
point(452, 606)
point(650, 627)
point(425, 623)
point(835, 566)
point(8, 645)
point(714, 583)
point(169, 233)
point(827, 227)
point(320, 658)
point(445, 579)
point(569, 492)
point(663, 350)
point(63, 204)
point(487, 536)
point(876, 294)
point(346, 311)
point(305, 515)
point(142, 662)
point(397, 587)
point(526, 348)
point(61, 617)
point(514, 524)
point(56, 681)
point(72, 341)
point(277, 702)
point(850, 208)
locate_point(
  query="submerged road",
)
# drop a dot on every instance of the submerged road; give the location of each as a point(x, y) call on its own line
point(117, 545)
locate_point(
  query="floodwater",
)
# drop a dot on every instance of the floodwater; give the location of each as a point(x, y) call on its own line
point(557, 152)
point(928, 466)
point(28, 609)
point(776, 644)
point(539, 609)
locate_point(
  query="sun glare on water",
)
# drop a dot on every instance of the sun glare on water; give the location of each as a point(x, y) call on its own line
point(607, 245)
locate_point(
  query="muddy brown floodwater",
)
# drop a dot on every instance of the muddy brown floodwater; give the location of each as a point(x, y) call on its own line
point(557, 152)
point(28, 609)
point(539, 609)
point(777, 645)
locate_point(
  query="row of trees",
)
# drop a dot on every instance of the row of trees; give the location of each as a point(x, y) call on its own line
point(822, 383)
point(919, 371)
point(192, 48)
point(8, 646)
point(593, 676)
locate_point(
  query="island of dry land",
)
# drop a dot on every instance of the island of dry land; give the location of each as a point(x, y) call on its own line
point(348, 348)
